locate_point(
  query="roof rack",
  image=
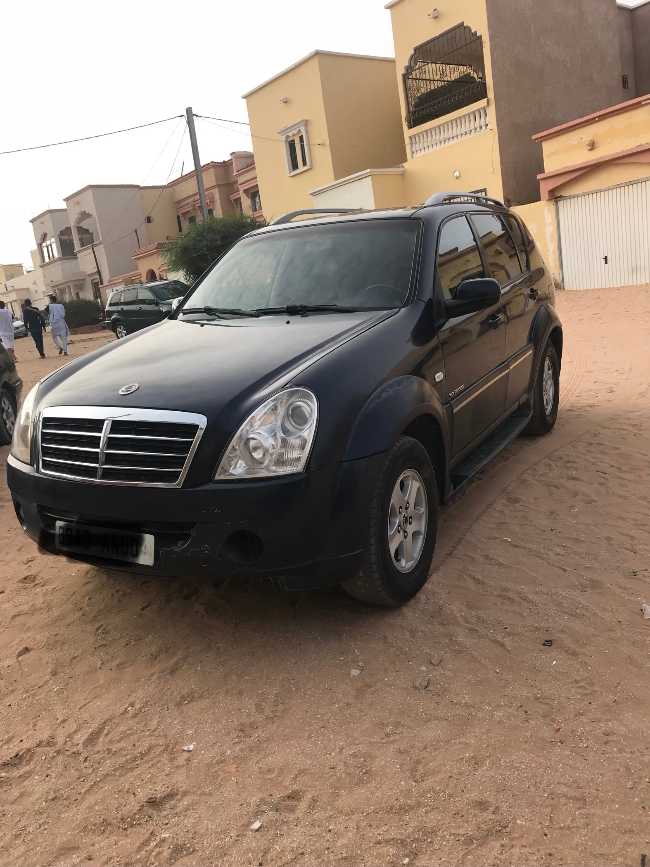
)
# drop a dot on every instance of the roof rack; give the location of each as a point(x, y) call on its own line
point(449, 198)
point(287, 218)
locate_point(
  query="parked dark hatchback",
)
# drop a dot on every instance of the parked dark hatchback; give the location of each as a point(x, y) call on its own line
point(135, 307)
point(322, 390)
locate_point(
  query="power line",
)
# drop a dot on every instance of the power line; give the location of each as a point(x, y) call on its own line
point(250, 134)
point(222, 119)
point(89, 137)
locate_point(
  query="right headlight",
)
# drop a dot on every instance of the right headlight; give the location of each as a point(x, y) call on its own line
point(275, 440)
point(21, 443)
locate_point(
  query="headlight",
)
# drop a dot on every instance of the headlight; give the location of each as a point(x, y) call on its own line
point(22, 438)
point(275, 440)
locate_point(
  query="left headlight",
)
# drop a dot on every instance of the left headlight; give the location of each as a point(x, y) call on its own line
point(21, 442)
point(275, 440)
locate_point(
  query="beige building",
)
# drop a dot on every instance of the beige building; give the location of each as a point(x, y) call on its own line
point(326, 117)
point(231, 188)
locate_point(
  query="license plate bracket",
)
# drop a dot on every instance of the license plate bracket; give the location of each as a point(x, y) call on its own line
point(105, 543)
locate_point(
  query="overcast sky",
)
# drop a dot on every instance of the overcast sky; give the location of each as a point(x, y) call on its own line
point(76, 69)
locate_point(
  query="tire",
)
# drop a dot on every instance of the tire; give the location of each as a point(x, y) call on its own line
point(7, 416)
point(120, 330)
point(546, 399)
point(390, 579)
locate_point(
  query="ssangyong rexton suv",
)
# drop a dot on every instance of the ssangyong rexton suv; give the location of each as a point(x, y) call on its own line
point(306, 408)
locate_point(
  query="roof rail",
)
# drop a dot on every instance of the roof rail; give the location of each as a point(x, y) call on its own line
point(287, 218)
point(449, 198)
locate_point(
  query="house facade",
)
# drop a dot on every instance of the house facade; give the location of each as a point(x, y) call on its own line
point(326, 117)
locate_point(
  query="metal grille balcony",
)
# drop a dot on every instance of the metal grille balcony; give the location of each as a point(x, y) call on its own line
point(445, 74)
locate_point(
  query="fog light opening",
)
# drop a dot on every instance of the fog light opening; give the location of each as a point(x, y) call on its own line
point(243, 546)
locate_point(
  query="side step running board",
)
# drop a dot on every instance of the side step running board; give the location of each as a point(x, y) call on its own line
point(508, 431)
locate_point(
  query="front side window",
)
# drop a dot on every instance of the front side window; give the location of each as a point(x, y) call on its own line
point(145, 296)
point(364, 264)
point(499, 248)
point(458, 257)
point(129, 296)
point(166, 292)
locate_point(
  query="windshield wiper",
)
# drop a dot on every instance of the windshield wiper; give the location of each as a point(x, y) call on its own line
point(303, 309)
point(220, 312)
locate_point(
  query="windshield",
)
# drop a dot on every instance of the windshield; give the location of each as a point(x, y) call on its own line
point(364, 265)
point(166, 293)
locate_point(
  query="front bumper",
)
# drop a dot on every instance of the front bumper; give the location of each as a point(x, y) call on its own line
point(309, 529)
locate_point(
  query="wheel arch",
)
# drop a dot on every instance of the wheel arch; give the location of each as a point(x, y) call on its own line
point(405, 406)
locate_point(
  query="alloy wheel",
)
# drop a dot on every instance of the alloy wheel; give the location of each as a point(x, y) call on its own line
point(408, 515)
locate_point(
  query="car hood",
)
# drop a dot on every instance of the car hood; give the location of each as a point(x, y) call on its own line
point(202, 367)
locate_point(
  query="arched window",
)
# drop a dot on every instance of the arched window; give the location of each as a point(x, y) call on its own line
point(445, 74)
point(47, 247)
point(151, 276)
point(85, 226)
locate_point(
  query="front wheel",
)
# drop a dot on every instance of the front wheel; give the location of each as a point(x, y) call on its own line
point(120, 330)
point(402, 528)
point(7, 417)
point(546, 394)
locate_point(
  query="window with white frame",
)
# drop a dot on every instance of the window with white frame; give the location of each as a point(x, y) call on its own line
point(296, 144)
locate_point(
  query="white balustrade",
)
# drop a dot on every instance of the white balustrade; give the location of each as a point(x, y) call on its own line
point(449, 132)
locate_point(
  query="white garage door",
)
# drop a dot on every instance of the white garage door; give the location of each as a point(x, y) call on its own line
point(605, 237)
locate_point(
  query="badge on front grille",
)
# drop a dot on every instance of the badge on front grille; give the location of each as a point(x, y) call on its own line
point(129, 389)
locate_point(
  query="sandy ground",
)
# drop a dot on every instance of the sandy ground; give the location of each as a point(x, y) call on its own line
point(441, 734)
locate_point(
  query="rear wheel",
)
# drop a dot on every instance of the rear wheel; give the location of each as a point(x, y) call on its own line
point(120, 330)
point(403, 523)
point(7, 417)
point(546, 394)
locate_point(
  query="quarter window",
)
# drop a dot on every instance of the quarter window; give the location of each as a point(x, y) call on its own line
point(520, 240)
point(458, 256)
point(499, 248)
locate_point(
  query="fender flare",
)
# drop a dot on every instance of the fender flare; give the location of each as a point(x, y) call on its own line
point(389, 411)
point(545, 324)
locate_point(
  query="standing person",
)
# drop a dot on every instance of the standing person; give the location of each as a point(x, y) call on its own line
point(58, 324)
point(7, 330)
point(35, 324)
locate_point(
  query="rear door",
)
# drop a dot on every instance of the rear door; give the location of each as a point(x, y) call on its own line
point(147, 310)
point(127, 312)
point(505, 265)
point(474, 346)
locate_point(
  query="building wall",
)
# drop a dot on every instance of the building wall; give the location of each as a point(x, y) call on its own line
point(626, 46)
point(363, 113)
point(268, 114)
point(8, 272)
point(541, 220)
point(641, 36)
point(476, 158)
point(601, 137)
point(119, 213)
point(357, 192)
point(565, 62)
point(158, 202)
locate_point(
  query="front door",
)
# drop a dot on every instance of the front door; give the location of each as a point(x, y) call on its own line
point(147, 308)
point(474, 346)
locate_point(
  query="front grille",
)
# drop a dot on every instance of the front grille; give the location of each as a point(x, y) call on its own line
point(109, 444)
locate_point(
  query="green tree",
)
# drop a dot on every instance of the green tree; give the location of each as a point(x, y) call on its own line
point(198, 247)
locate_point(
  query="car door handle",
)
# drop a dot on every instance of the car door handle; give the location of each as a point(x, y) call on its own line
point(496, 319)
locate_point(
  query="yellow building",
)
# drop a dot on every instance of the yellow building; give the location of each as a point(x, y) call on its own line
point(596, 181)
point(324, 118)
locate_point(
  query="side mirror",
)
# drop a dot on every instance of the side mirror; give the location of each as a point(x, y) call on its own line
point(175, 303)
point(474, 295)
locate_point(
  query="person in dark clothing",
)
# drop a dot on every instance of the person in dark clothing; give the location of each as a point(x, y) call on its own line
point(35, 324)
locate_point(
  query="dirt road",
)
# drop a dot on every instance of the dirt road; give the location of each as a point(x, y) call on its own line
point(442, 734)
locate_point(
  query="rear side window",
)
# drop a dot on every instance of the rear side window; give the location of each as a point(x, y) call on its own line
point(458, 256)
point(521, 242)
point(499, 248)
point(114, 300)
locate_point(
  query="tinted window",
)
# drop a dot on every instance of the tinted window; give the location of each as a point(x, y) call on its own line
point(145, 296)
point(499, 248)
point(364, 264)
point(458, 256)
point(521, 241)
point(167, 291)
point(129, 296)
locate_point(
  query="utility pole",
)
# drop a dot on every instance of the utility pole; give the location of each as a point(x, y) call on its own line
point(197, 162)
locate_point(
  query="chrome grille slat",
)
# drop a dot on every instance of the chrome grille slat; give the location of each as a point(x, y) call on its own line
point(123, 445)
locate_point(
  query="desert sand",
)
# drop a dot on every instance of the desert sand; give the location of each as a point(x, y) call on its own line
point(445, 733)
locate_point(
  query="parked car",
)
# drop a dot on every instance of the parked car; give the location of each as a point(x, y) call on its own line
point(10, 387)
point(135, 307)
point(307, 409)
point(19, 328)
